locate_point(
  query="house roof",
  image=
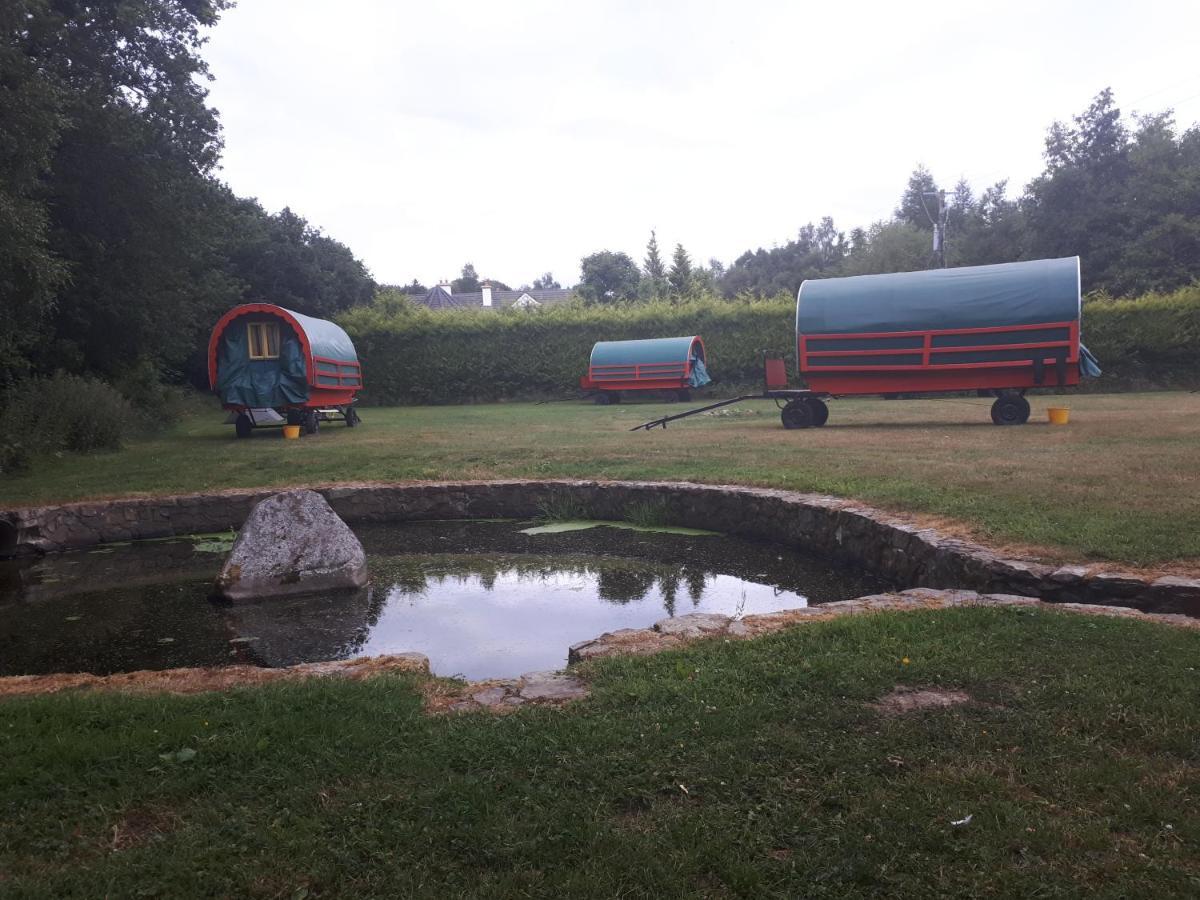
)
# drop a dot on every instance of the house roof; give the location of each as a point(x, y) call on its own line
point(439, 299)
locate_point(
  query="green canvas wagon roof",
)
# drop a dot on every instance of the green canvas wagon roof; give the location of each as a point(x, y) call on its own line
point(325, 338)
point(1019, 293)
point(651, 350)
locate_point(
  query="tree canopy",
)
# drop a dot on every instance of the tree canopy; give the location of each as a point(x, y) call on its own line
point(117, 245)
point(608, 277)
point(1122, 195)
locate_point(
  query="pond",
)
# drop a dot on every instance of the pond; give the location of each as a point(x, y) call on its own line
point(488, 599)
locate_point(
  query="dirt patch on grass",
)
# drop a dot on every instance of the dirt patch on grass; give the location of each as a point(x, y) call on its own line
point(140, 826)
point(901, 700)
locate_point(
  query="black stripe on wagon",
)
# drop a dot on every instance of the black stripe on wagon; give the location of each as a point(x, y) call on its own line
point(915, 342)
point(865, 362)
point(1024, 336)
point(998, 355)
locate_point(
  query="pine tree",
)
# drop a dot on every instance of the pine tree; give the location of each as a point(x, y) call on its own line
point(915, 208)
point(680, 276)
point(654, 267)
point(654, 284)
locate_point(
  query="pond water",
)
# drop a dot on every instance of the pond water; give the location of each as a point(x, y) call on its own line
point(480, 599)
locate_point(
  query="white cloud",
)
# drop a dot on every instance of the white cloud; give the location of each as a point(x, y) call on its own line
point(521, 136)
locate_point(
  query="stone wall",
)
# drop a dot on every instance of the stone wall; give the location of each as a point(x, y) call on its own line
point(847, 532)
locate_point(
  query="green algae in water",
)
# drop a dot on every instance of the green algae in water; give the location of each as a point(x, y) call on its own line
point(213, 543)
point(213, 546)
point(584, 524)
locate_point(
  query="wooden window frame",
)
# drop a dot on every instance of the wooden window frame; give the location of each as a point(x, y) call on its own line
point(260, 336)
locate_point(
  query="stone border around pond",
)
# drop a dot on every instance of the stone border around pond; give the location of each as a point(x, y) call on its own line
point(847, 532)
point(553, 688)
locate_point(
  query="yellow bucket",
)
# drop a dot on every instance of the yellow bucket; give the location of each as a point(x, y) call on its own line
point(1059, 415)
point(291, 432)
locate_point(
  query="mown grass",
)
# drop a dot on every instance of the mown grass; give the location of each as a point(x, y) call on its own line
point(1119, 483)
point(728, 769)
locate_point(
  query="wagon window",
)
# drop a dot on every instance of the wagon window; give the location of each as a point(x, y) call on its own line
point(264, 340)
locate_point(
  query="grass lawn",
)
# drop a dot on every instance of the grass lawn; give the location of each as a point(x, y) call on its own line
point(727, 769)
point(1120, 483)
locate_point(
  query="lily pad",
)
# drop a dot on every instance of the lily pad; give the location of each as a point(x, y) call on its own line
point(217, 546)
point(563, 526)
point(584, 524)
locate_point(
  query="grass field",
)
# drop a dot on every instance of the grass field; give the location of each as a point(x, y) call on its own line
point(748, 769)
point(1120, 483)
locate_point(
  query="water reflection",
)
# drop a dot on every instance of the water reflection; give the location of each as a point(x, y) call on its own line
point(486, 613)
point(617, 581)
point(483, 617)
point(293, 630)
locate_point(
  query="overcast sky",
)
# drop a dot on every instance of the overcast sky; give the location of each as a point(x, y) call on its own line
point(521, 135)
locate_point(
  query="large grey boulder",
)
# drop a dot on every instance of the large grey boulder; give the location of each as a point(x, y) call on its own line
point(292, 543)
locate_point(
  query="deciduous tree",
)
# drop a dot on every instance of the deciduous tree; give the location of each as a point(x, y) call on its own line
point(608, 277)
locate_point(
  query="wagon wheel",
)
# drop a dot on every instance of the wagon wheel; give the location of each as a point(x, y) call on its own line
point(311, 423)
point(820, 411)
point(1010, 409)
point(684, 395)
point(798, 414)
point(614, 396)
point(351, 415)
point(243, 426)
point(602, 399)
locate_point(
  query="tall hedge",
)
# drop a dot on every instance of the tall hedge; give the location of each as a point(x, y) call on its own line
point(456, 356)
point(1149, 341)
point(421, 356)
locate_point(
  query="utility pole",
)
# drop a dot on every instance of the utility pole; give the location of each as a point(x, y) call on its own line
point(937, 258)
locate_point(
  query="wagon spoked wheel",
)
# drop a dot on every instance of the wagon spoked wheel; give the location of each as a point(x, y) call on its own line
point(798, 414)
point(1010, 409)
point(243, 426)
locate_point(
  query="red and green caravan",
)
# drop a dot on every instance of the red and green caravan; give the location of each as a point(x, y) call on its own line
point(997, 331)
point(672, 365)
point(272, 366)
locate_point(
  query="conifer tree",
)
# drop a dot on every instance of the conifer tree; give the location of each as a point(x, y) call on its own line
point(680, 276)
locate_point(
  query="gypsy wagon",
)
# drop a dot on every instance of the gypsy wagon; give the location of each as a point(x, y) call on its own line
point(996, 330)
point(675, 365)
point(270, 365)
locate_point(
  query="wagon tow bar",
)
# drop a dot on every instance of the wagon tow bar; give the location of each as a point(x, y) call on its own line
point(785, 394)
point(663, 423)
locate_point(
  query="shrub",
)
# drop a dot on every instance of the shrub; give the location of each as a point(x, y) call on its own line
point(1146, 341)
point(64, 412)
point(155, 403)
